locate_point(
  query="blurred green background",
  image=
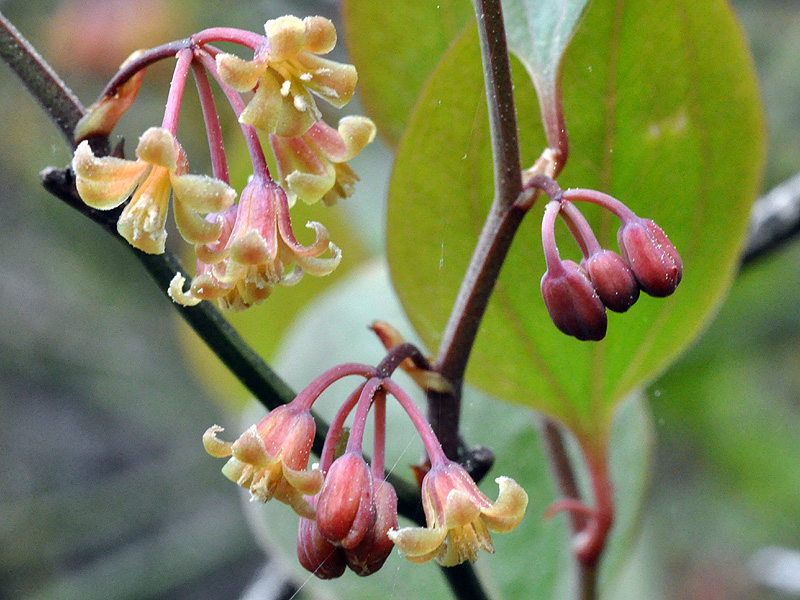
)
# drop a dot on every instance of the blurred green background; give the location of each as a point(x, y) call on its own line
point(105, 491)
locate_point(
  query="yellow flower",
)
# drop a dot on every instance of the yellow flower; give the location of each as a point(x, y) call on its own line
point(286, 72)
point(256, 251)
point(459, 517)
point(160, 167)
point(270, 458)
point(314, 166)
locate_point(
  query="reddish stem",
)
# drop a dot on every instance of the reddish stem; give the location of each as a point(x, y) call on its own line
point(429, 439)
point(176, 88)
point(305, 399)
point(379, 437)
point(216, 144)
point(335, 429)
point(242, 37)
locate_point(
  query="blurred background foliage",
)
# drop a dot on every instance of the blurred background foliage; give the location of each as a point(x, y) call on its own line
point(105, 491)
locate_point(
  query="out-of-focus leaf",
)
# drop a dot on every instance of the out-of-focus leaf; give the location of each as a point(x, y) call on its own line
point(663, 111)
point(534, 560)
point(395, 51)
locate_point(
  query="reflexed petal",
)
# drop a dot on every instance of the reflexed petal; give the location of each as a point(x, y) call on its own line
point(320, 35)
point(158, 146)
point(241, 75)
point(319, 267)
point(142, 222)
point(505, 514)
point(105, 182)
point(306, 175)
point(178, 296)
point(215, 446)
point(418, 544)
point(332, 81)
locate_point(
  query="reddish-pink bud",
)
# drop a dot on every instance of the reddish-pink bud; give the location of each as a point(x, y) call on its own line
point(373, 550)
point(613, 280)
point(651, 256)
point(317, 554)
point(345, 508)
point(573, 303)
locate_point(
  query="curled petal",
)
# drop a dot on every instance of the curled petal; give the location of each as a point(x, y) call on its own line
point(320, 245)
point(178, 296)
point(344, 143)
point(105, 182)
point(215, 446)
point(319, 267)
point(418, 544)
point(505, 514)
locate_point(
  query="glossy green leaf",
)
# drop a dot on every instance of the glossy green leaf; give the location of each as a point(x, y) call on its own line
point(663, 113)
point(532, 561)
point(395, 51)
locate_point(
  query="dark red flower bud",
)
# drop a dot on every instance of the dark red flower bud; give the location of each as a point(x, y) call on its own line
point(613, 280)
point(573, 303)
point(373, 550)
point(317, 554)
point(651, 256)
point(345, 508)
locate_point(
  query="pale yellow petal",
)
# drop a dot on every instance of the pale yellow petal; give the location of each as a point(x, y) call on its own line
point(215, 446)
point(286, 37)
point(460, 510)
point(181, 297)
point(505, 514)
point(241, 75)
point(320, 35)
point(105, 182)
point(202, 193)
point(305, 482)
point(193, 227)
point(418, 544)
point(158, 146)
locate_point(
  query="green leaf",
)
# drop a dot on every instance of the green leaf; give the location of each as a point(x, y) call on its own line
point(664, 114)
point(539, 32)
point(395, 51)
point(532, 561)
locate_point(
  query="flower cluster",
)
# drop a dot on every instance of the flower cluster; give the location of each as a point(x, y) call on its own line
point(243, 249)
point(347, 508)
point(577, 295)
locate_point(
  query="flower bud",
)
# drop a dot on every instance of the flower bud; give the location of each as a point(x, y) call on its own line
point(345, 509)
point(651, 256)
point(573, 303)
point(373, 550)
point(317, 554)
point(613, 280)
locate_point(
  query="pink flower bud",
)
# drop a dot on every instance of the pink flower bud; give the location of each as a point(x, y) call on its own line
point(652, 257)
point(317, 554)
point(573, 303)
point(373, 550)
point(613, 280)
point(345, 509)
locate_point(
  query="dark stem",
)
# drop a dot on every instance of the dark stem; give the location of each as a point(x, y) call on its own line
point(144, 60)
point(444, 409)
point(397, 355)
point(58, 101)
point(464, 582)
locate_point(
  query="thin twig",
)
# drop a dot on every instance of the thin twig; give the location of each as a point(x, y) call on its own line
point(774, 220)
point(58, 101)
